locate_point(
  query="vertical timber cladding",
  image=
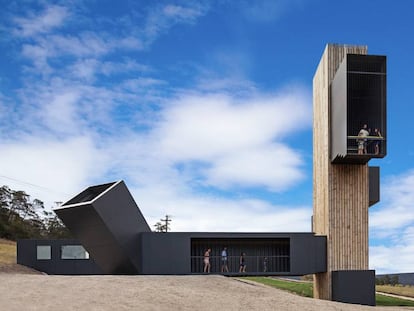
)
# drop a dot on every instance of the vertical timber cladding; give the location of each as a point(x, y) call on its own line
point(340, 192)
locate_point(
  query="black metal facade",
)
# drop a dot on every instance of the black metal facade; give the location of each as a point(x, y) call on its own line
point(374, 184)
point(27, 256)
point(354, 286)
point(112, 229)
point(358, 98)
point(183, 252)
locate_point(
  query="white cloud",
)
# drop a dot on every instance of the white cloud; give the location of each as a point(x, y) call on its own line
point(52, 17)
point(59, 168)
point(397, 210)
point(205, 126)
point(238, 142)
point(60, 113)
point(192, 212)
point(396, 257)
point(276, 167)
point(393, 222)
point(84, 69)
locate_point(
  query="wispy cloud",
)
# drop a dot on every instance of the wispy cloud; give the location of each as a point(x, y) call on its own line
point(161, 18)
point(41, 22)
point(267, 10)
point(44, 45)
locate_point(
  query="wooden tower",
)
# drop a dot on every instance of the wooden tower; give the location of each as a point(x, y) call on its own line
point(340, 191)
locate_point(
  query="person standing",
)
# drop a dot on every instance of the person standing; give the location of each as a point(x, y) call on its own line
point(362, 142)
point(224, 267)
point(207, 261)
point(378, 141)
point(242, 261)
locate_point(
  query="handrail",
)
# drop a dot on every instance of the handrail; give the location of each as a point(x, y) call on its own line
point(254, 264)
point(366, 137)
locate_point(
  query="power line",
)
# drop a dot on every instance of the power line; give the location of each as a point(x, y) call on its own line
point(33, 185)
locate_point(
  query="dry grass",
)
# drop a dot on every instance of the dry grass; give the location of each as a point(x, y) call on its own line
point(407, 291)
point(7, 252)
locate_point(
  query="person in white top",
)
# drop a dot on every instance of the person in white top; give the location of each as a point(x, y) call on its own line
point(362, 143)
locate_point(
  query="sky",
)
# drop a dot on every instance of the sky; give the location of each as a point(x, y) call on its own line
point(203, 108)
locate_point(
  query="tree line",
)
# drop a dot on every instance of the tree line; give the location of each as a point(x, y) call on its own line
point(387, 280)
point(24, 218)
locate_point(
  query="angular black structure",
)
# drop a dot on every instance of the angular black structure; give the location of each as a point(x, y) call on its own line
point(358, 93)
point(107, 221)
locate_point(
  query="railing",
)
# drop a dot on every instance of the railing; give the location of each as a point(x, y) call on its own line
point(352, 145)
point(254, 264)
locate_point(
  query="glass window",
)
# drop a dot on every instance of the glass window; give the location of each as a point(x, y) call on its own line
point(74, 252)
point(44, 252)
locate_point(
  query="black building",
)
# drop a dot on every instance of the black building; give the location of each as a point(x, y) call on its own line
point(114, 238)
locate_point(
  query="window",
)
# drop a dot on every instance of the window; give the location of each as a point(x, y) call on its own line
point(73, 252)
point(44, 252)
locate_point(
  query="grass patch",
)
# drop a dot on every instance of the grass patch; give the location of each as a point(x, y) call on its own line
point(383, 300)
point(301, 288)
point(7, 252)
point(306, 289)
point(397, 290)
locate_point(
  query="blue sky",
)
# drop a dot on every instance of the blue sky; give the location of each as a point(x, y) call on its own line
point(204, 108)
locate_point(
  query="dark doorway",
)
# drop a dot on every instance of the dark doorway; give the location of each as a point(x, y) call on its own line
point(261, 255)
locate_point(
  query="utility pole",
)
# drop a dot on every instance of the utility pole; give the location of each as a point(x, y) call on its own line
point(167, 221)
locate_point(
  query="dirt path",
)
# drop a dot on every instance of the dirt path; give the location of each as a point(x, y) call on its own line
point(42, 292)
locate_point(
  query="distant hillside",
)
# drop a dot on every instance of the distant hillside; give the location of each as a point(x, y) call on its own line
point(403, 278)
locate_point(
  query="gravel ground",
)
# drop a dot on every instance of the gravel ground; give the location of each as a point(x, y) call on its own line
point(44, 292)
